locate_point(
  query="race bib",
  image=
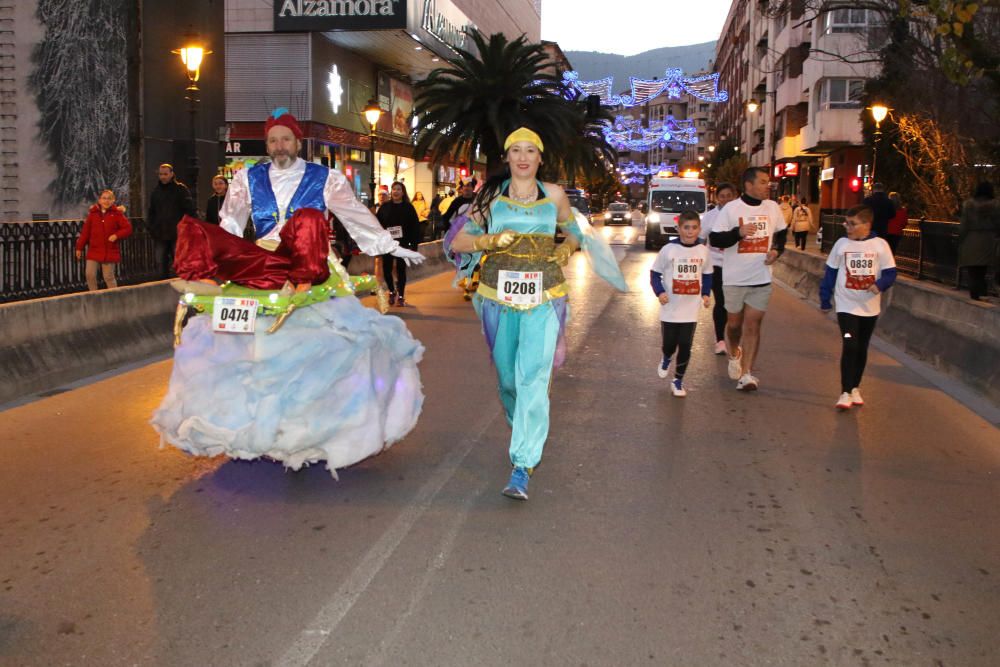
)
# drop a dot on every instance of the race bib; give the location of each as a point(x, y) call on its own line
point(687, 276)
point(519, 288)
point(757, 239)
point(395, 232)
point(232, 315)
point(861, 269)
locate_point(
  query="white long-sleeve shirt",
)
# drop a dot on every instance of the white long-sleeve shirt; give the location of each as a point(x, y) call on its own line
point(363, 227)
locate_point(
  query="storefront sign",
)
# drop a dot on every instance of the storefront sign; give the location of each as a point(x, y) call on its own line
point(323, 15)
point(791, 169)
point(396, 100)
point(248, 147)
point(446, 24)
point(826, 174)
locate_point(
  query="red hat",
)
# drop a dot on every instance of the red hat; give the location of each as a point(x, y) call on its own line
point(281, 116)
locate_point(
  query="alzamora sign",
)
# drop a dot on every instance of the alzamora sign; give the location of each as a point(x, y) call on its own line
point(321, 15)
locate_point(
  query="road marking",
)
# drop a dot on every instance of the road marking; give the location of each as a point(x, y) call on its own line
point(316, 634)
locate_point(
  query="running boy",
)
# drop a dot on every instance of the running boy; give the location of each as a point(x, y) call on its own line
point(688, 269)
point(868, 270)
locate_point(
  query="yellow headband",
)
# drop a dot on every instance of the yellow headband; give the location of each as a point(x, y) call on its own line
point(523, 134)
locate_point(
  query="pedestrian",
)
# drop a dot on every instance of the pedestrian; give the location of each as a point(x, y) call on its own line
point(724, 193)
point(522, 294)
point(423, 211)
point(786, 209)
point(802, 222)
point(686, 263)
point(465, 196)
point(435, 217)
point(169, 201)
point(103, 228)
point(882, 209)
point(399, 217)
point(860, 267)
point(383, 197)
point(894, 231)
point(219, 188)
point(752, 232)
point(978, 228)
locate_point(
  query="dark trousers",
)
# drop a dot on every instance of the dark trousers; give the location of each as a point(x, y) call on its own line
point(719, 310)
point(165, 257)
point(977, 281)
point(856, 333)
point(800, 239)
point(678, 336)
point(399, 284)
point(893, 241)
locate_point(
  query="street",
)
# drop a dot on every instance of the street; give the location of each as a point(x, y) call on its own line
point(719, 529)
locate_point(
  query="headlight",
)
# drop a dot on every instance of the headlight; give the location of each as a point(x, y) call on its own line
point(653, 218)
point(607, 215)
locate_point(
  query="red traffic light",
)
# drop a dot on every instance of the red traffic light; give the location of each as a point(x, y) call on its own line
point(463, 172)
point(855, 184)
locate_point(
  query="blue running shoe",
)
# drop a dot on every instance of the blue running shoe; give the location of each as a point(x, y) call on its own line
point(661, 370)
point(517, 487)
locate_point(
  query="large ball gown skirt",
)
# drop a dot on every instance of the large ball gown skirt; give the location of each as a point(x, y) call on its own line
point(337, 383)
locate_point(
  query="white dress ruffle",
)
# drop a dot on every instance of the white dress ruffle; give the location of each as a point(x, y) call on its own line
point(337, 383)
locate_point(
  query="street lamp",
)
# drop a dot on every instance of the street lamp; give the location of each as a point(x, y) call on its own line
point(752, 105)
point(879, 112)
point(372, 113)
point(192, 55)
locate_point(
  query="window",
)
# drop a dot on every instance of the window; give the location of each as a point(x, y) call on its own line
point(842, 93)
point(846, 20)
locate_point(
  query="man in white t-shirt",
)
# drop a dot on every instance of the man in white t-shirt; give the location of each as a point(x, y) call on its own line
point(752, 232)
point(724, 193)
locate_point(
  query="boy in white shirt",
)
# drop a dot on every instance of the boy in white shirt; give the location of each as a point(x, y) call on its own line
point(860, 267)
point(753, 232)
point(681, 277)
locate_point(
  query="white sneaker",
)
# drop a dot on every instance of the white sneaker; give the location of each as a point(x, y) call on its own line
point(844, 402)
point(735, 365)
point(856, 397)
point(720, 347)
point(661, 369)
point(677, 389)
point(747, 383)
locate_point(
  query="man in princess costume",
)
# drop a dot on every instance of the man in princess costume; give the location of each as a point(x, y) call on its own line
point(290, 248)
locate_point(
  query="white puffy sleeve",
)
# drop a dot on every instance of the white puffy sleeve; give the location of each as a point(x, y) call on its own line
point(359, 222)
point(236, 208)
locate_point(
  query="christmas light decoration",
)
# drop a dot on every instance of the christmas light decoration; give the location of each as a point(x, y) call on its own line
point(630, 168)
point(627, 133)
point(674, 83)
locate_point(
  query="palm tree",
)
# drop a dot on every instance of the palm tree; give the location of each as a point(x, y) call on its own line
point(588, 155)
point(478, 99)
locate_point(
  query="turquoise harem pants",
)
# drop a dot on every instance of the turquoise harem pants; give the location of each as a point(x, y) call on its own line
point(523, 351)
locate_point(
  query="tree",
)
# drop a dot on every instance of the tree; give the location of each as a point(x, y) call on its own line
point(477, 100)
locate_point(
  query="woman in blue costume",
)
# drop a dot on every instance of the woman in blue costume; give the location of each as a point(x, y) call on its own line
point(522, 294)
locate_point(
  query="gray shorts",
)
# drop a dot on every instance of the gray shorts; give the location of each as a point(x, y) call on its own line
point(738, 296)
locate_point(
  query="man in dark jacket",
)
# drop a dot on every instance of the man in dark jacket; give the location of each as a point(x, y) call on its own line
point(168, 203)
point(883, 209)
point(465, 196)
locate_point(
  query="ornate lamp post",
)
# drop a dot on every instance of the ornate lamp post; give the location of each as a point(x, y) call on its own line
point(879, 112)
point(372, 113)
point(192, 55)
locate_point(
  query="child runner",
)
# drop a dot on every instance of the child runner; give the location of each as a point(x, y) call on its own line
point(686, 263)
point(868, 270)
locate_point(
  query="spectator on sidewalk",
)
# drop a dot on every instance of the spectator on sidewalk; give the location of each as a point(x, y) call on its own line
point(979, 226)
point(105, 225)
point(786, 209)
point(423, 212)
point(219, 188)
point(169, 201)
point(894, 233)
point(802, 224)
point(878, 201)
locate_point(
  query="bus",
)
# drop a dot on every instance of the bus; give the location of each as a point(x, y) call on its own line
point(666, 199)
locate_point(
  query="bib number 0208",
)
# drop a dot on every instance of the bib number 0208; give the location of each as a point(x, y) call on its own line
point(519, 288)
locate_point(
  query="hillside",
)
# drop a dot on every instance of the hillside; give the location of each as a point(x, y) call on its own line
point(594, 65)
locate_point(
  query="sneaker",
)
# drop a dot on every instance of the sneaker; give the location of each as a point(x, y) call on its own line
point(720, 347)
point(747, 383)
point(517, 487)
point(856, 397)
point(661, 368)
point(844, 402)
point(392, 298)
point(401, 302)
point(677, 388)
point(736, 365)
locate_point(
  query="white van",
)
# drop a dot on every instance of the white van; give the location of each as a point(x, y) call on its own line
point(667, 198)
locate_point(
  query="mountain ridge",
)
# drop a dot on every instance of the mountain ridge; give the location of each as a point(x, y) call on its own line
point(592, 65)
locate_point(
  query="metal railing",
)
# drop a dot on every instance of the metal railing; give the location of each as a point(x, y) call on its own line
point(38, 259)
point(927, 251)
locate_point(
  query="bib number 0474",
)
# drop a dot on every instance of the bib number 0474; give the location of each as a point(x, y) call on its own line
point(233, 315)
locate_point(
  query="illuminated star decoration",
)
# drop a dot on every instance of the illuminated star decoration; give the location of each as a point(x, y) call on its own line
point(627, 133)
point(334, 89)
point(674, 83)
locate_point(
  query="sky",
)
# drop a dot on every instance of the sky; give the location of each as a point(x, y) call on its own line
point(628, 27)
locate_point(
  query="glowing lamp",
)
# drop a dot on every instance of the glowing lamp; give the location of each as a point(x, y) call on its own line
point(752, 105)
point(854, 184)
point(372, 112)
point(879, 112)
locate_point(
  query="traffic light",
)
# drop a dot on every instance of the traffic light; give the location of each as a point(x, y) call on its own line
point(855, 184)
point(463, 172)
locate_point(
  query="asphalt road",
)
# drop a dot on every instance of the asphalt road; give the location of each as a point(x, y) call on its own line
point(719, 529)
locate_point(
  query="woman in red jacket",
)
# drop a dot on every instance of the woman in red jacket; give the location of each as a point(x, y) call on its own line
point(105, 225)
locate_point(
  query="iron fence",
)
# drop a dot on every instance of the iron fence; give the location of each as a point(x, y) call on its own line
point(38, 259)
point(927, 251)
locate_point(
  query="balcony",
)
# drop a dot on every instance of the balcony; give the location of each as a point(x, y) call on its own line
point(831, 129)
